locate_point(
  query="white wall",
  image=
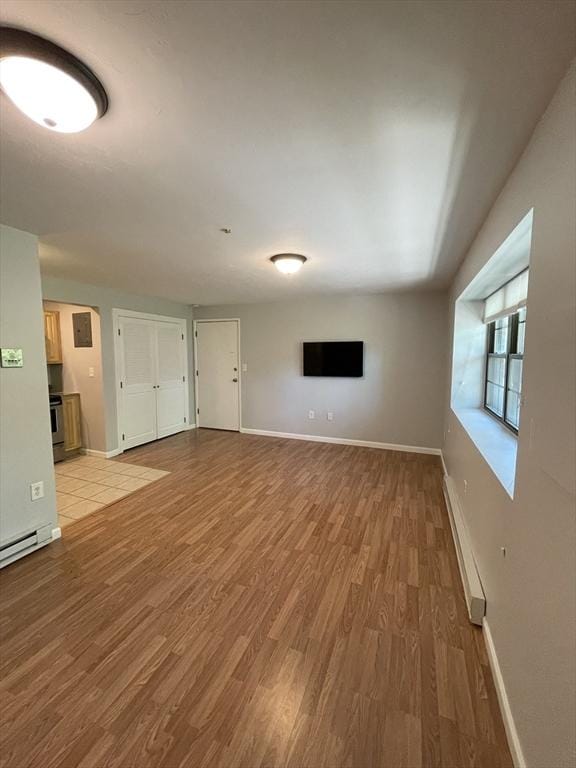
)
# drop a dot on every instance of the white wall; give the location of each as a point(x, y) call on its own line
point(399, 400)
point(530, 593)
point(76, 362)
point(106, 299)
point(25, 433)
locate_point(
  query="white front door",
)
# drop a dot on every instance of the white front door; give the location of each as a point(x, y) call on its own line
point(217, 364)
point(138, 382)
point(171, 388)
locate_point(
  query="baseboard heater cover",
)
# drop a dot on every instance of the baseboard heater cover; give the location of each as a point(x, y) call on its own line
point(473, 592)
point(19, 547)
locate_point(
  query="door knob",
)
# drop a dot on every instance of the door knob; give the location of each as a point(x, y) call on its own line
point(234, 379)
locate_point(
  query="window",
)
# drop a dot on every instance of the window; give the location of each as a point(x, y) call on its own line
point(504, 362)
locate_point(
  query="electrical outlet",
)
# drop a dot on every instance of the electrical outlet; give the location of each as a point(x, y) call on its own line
point(91, 372)
point(311, 414)
point(37, 490)
point(330, 416)
point(244, 367)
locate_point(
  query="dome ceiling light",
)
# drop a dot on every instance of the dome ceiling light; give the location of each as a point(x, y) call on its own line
point(47, 83)
point(288, 263)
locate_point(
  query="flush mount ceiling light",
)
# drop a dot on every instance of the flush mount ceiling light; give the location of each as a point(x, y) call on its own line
point(288, 263)
point(47, 83)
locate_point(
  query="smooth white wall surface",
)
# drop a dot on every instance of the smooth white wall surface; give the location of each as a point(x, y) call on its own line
point(399, 399)
point(530, 593)
point(25, 433)
point(106, 299)
point(76, 362)
point(468, 355)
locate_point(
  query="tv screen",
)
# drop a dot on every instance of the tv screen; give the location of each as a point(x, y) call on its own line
point(333, 358)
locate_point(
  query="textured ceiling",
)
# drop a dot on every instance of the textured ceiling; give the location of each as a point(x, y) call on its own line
point(372, 137)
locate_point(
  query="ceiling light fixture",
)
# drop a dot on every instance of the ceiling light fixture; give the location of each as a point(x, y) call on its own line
point(47, 83)
point(288, 263)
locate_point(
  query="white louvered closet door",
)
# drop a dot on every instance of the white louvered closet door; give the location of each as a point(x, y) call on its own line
point(138, 382)
point(171, 388)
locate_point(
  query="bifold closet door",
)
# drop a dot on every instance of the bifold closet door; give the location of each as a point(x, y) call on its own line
point(138, 382)
point(153, 388)
point(171, 389)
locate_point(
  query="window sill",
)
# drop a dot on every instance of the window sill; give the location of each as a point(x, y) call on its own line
point(497, 444)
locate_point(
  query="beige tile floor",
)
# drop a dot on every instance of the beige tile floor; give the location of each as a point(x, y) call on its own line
point(86, 484)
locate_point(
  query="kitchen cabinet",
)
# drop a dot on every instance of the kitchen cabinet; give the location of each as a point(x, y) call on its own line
point(52, 336)
point(72, 422)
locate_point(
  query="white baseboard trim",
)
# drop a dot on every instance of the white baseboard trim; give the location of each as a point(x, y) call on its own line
point(344, 441)
point(473, 592)
point(443, 464)
point(101, 454)
point(190, 426)
point(56, 533)
point(509, 725)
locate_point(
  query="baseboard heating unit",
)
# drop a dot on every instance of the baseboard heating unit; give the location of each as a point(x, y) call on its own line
point(20, 546)
point(475, 598)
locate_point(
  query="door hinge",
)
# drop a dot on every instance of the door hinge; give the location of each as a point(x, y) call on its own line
point(118, 331)
point(182, 337)
point(197, 410)
point(121, 385)
point(184, 419)
point(123, 436)
point(183, 378)
point(196, 334)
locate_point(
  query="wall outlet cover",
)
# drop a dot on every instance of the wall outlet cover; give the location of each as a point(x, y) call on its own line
point(37, 490)
point(330, 416)
point(311, 414)
point(11, 358)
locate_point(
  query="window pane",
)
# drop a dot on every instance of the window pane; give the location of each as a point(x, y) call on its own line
point(521, 337)
point(501, 336)
point(515, 375)
point(497, 370)
point(495, 398)
point(513, 408)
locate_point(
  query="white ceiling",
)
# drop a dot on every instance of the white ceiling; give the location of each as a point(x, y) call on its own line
point(372, 137)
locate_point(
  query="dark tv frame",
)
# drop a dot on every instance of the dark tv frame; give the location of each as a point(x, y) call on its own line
point(332, 375)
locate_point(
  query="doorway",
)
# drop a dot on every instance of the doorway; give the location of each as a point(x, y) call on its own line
point(72, 337)
point(151, 372)
point(217, 356)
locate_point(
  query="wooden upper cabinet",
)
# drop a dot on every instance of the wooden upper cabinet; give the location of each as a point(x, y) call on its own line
point(52, 336)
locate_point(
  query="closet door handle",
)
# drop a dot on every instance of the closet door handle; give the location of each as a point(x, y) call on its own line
point(234, 379)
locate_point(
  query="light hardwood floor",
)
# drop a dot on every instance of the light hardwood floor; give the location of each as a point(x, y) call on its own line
point(269, 603)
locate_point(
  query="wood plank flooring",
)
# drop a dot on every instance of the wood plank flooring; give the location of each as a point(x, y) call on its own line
point(269, 603)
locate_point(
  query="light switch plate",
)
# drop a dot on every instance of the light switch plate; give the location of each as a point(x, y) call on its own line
point(11, 358)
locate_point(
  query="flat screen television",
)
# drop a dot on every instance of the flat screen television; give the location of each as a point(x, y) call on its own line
point(333, 358)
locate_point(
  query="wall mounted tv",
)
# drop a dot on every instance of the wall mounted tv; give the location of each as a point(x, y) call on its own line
point(333, 358)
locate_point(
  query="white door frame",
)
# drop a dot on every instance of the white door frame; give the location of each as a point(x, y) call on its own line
point(196, 399)
point(116, 315)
